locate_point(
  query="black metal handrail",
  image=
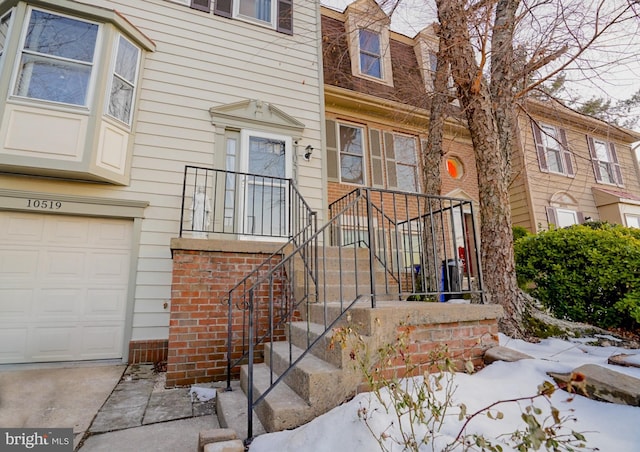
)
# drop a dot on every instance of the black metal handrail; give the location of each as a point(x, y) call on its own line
point(376, 243)
point(218, 201)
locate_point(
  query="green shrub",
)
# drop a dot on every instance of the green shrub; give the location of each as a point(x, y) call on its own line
point(519, 232)
point(584, 273)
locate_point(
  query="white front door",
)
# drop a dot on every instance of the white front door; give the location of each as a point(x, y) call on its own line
point(63, 287)
point(267, 158)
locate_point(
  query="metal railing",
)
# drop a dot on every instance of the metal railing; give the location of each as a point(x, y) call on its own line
point(243, 204)
point(377, 244)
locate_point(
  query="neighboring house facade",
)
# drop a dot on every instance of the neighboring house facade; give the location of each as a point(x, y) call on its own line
point(572, 168)
point(104, 104)
point(378, 86)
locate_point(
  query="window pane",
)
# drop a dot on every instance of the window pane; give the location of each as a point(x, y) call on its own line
point(4, 30)
point(405, 148)
point(350, 140)
point(267, 157)
point(258, 9)
point(554, 160)
point(370, 65)
point(127, 60)
point(566, 218)
point(121, 100)
point(351, 169)
point(266, 210)
point(61, 36)
point(47, 79)
point(370, 42)
point(406, 177)
point(601, 151)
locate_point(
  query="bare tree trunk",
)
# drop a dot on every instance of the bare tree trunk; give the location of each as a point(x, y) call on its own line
point(432, 164)
point(492, 149)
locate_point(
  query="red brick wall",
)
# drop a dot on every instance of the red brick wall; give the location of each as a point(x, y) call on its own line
point(460, 341)
point(199, 313)
point(149, 351)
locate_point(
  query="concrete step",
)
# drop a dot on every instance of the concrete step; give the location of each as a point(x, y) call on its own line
point(335, 355)
point(232, 408)
point(310, 378)
point(282, 408)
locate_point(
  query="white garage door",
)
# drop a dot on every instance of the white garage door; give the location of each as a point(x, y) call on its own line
point(63, 287)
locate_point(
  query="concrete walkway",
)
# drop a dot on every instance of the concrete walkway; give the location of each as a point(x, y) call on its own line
point(109, 406)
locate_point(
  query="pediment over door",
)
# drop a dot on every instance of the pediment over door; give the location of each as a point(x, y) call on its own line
point(255, 114)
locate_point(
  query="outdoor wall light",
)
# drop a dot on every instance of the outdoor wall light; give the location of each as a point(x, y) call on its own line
point(308, 152)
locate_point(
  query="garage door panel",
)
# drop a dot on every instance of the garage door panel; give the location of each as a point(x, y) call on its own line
point(105, 304)
point(108, 267)
point(58, 265)
point(13, 344)
point(56, 304)
point(22, 227)
point(68, 230)
point(15, 304)
point(56, 343)
point(63, 286)
point(18, 264)
point(99, 341)
point(112, 236)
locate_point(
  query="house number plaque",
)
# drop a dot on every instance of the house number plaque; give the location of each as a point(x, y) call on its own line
point(43, 204)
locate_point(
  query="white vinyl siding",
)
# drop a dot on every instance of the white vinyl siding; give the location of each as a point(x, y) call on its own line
point(199, 63)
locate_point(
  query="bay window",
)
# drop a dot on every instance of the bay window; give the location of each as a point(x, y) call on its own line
point(57, 58)
point(123, 81)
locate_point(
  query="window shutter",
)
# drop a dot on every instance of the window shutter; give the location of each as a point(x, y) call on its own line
point(223, 8)
point(332, 151)
point(285, 16)
point(552, 218)
point(566, 154)
point(537, 138)
point(201, 5)
point(377, 179)
point(594, 159)
point(617, 171)
point(392, 177)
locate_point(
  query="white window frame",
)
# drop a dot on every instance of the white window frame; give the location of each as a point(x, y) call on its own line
point(377, 56)
point(245, 136)
point(6, 18)
point(552, 144)
point(632, 220)
point(401, 163)
point(273, 12)
point(113, 75)
point(361, 156)
point(90, 92)
point(562, 213)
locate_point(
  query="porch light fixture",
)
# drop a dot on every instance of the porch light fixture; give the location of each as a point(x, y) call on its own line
point(308, 152)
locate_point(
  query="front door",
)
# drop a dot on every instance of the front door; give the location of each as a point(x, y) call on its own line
point(266, 158)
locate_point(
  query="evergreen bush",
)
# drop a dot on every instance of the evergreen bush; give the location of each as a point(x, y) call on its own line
point(584, 273)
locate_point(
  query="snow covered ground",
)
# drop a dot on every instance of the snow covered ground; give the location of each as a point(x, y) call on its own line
point(607, 427)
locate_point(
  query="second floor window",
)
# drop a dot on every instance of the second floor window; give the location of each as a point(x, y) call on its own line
point(57, 58)
point(605, 161)
point(370, 53)
point(123, 82)
point(351, 154)
point(553, 153)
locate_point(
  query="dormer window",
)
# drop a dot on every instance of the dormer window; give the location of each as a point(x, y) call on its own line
point(367, 26)
point(370, 53)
